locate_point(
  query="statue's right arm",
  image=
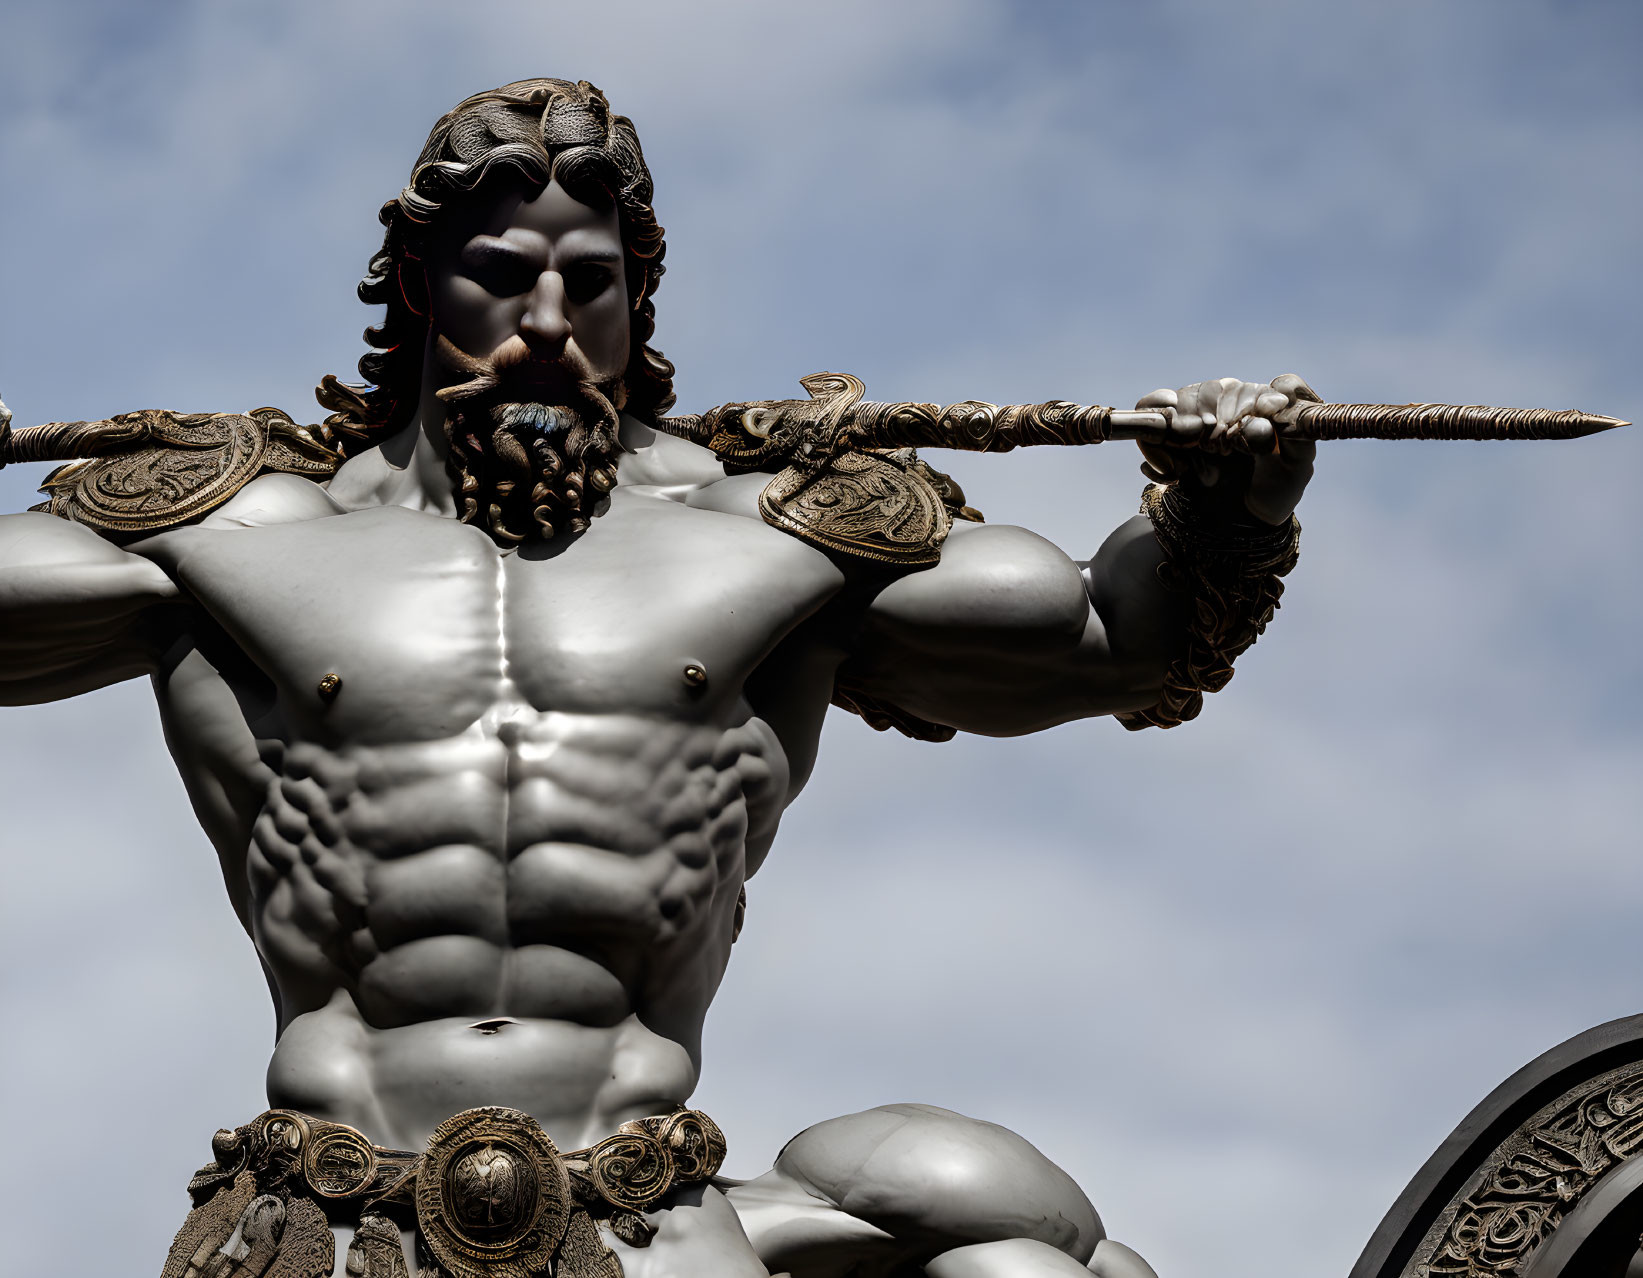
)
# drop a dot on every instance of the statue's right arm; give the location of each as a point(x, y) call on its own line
point(76, 613)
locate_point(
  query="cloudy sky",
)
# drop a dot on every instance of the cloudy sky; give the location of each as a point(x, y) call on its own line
point(1239, 978)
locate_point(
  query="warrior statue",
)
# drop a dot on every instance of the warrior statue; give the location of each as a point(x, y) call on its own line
point(491, 691)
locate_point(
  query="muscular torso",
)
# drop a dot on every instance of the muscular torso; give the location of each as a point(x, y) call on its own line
point(500, 863)
point(487, 815)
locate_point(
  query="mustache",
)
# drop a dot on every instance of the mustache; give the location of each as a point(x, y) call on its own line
point(513, 367)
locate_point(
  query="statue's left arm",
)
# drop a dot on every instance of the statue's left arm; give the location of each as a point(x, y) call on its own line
point(1007, 634)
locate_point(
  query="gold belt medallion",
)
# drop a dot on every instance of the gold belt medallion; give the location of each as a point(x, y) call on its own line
point(492, 1194)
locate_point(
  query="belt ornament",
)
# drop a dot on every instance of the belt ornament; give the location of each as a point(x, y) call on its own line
point(492, 1197)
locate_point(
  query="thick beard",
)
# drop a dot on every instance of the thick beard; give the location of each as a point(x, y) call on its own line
point(532, 446)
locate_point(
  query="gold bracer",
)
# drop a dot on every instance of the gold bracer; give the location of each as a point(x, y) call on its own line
point(491, 1197)
point(1230, 571)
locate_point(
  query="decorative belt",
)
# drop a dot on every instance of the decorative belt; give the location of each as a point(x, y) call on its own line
point(492, 1196)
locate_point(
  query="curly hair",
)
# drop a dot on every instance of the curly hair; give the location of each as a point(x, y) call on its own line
point(542, 130)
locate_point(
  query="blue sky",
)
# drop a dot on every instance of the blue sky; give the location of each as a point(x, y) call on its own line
point(1239, 978)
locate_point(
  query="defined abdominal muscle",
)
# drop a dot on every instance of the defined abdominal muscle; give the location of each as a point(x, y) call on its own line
point(539, 865)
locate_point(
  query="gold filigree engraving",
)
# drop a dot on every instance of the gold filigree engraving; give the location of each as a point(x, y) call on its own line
point(492, 1194)
point(375, 1250)
point(631, 1168)
point(143, 472)
point(339, 1162)
point(1534, 1179)
point(860, 505)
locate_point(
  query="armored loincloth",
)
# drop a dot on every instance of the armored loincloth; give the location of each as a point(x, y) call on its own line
point(491, 1197)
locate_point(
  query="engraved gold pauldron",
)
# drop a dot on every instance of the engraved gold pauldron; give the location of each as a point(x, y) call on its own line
point(491, 1197)
point(836, 488)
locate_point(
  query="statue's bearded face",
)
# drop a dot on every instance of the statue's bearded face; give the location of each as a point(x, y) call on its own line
point(529, 339)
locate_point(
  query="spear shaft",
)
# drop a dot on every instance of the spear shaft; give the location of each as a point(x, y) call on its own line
point(836, 416)
point(972, 425)
point(977, 427)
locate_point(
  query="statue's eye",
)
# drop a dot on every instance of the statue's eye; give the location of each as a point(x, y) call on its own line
point(504, 274)
point(585, 281)
point(498, 267)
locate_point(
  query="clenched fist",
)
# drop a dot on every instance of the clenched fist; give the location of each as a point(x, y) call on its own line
point(1224, 439)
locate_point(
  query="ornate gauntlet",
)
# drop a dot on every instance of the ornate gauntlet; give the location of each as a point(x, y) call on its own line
point(1230, 570)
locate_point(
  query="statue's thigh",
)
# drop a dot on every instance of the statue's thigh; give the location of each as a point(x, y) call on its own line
point(697, 1232)
point(903, 1183)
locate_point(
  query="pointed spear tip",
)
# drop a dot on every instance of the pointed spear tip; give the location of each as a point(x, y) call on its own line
point(1594, 423)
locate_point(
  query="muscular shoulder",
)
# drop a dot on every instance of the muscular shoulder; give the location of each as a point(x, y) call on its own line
point(992, 579)
point(273, 499)
point(267, 501)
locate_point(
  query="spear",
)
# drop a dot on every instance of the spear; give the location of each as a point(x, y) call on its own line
point(186, 464)
point(836, 416)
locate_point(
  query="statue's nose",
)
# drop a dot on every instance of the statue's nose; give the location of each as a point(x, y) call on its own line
point(544, 324)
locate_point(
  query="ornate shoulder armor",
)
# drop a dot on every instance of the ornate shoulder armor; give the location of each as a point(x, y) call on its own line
point(144, 472)
point(832, 486)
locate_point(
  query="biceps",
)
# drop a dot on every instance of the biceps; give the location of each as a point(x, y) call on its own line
point(995, 690)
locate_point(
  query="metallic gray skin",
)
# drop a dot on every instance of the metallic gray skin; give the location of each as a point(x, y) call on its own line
point(501, 865)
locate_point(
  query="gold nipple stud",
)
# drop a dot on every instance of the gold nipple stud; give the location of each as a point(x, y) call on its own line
point(329, 686)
